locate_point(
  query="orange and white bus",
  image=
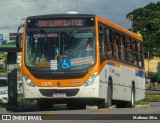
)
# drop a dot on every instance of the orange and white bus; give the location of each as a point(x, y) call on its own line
point(79, 60)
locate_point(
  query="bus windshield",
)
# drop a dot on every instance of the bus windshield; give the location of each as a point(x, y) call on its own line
point(60, 49)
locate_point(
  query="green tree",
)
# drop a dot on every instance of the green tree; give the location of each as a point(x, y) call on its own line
point(4, 42)
point(5, 60)
point(146, 20)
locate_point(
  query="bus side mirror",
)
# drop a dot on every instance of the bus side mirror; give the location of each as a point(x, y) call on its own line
point(18, 40)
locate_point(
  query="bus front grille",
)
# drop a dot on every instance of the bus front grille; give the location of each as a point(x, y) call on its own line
point(49, 92)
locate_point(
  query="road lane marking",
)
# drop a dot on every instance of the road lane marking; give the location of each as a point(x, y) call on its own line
point(103, 109)
point(49, 113)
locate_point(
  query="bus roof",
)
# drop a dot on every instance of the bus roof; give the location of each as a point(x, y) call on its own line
point(103, 20)
point(120, 28)
point(60, 16)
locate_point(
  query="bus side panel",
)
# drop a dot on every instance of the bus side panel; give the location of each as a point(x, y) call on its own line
point(140, 88)
point(110, 71)
point(129, 76)
point(122, 77)
point(103, 83)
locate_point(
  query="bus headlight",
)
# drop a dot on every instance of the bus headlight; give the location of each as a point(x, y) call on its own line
point(90, 79)
point(28, 81)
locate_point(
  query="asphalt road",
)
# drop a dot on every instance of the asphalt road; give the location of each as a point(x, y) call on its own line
point(60, 114)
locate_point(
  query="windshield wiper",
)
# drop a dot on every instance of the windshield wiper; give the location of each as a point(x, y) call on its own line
point(43, 32)
point(71, 36)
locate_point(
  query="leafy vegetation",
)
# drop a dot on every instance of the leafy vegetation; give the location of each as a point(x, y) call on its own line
point(5, 42)
point(146, 20)
point(21, 100)
point(151, 98)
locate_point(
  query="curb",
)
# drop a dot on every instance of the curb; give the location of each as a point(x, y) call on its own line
point(2, 109)
point(143, 106)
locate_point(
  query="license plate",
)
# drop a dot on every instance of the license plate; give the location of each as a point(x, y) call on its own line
point(59, 95)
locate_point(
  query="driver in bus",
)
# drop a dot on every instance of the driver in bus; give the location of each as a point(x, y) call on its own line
point(88, 49)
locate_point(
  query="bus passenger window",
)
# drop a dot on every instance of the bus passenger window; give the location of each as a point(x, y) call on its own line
point(128, 51)
point(139, 48)
point(102, 41)
point(140, 63)
point(108, 42)
point(116, 49)
point(134, 54)
point(107, 35)
point(122, 48)
point(109, 49)
point(140, 56)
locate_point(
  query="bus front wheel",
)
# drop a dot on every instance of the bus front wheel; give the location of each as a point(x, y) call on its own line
point(106, 103)
point(132, 97)
point(132, 102)
point(109, 93)
point(44, 104)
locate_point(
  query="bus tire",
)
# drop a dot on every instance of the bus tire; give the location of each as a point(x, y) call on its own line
point(132, 102)
point(106, 103)
point(109, 93)
point(45, 104)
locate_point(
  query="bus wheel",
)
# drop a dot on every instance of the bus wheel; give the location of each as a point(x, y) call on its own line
point(45, 104)
point(132, 102)
point(106, 103)
point(132, 97)
point(109, 93)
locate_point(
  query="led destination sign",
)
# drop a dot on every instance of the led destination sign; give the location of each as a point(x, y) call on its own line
point(52, 23)
point(64, 22)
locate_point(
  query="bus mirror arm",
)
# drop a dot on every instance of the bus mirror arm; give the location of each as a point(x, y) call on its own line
point(18, 37)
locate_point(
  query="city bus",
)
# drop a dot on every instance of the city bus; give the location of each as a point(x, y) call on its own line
point(79, 60)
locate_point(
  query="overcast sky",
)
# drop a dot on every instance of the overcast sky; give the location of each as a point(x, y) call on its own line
point(14, 11)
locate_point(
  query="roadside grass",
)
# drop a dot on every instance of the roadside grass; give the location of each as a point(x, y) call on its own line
point(152, 98)
point(149, 98)
point(21, 100)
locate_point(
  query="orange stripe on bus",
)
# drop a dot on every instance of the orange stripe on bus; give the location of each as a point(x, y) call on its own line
point(118, 64)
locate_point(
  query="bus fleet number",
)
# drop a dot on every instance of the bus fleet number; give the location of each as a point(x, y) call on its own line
point(46, 83)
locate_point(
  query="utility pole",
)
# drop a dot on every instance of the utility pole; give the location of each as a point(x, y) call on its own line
point(148, 63)
point(130, 17)
point(77, 6)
